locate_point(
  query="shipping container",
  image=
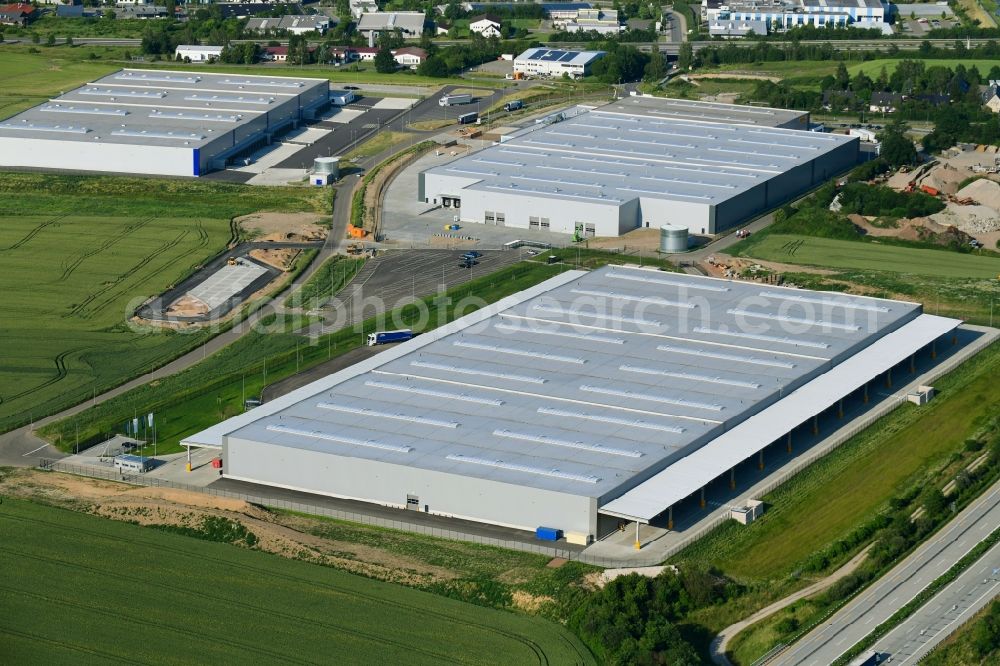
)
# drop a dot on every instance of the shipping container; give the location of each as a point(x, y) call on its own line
point(548, 534)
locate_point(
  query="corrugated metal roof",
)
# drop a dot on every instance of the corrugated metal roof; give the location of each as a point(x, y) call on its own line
point(155, 107)
point(611, 156)
point(586, 384)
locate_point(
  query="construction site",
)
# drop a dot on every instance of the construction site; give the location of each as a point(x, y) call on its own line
point(967, 181)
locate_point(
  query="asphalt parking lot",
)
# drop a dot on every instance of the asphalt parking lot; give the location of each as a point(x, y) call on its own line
point(396, 278)
point(343, 135)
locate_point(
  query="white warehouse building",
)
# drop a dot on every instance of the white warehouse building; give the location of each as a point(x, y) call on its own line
point(780, 15)
point(641, 162)
point(583, 400)
point(554, 62)
point(158, 122)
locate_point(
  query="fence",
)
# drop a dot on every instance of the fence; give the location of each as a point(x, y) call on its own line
point(309, 508)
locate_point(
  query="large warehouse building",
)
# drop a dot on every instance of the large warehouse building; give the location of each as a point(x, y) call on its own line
point(158, 122)
point(589, 398)
point(641, 162)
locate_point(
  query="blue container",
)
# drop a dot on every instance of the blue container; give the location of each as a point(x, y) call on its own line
point(548, 533)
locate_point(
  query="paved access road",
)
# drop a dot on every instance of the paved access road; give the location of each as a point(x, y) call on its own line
point(946, 612)
point(876, 604)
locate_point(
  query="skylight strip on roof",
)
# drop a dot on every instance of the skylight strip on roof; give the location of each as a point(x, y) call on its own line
point(667, 282)
point(199, 117)
point(668, 194)
point(162, 78)
point(458, 457)
point(826, 302)
point(41, 127)
point(238, 99)
point(689, 375)
point(267, 84)
point(479, 373)
point(519, 352)
point(340, 439)
point(796, 146)
point(474, 172)
point(538, 330)
point(638, 395)
point(512, 188)
point(364, 411)
point(108, 92)
point(88, 110)
point(577, 312)
point(464, 397)
point(639, 299)
point(153, 134)
point(631, 423)
point(722, 356)
point(737, 151)
point(742, 312)
point(556, 181)
point(555, 441)
point(684, 181)
point(795, 342)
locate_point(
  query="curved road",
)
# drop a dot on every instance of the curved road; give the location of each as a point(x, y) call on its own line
point(879, 601)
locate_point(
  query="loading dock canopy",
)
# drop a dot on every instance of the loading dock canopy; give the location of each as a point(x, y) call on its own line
point(688, 475)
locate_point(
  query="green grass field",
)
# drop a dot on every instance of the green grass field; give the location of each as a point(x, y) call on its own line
point(70, 282)
point(83, 589)
point(831, 253)
point(79, 254)
point(873, 67)
point(214, 389)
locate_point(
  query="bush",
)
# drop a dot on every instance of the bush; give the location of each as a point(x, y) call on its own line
point(630, 621)
point(787, 625)
point(874, 200)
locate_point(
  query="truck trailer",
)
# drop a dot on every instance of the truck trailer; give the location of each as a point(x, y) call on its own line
point(452, 100)
point(385, 337)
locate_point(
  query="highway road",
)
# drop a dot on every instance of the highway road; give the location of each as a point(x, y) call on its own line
point(876, 604)
point(947, 611)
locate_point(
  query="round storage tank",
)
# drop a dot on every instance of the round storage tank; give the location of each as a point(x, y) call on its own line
point(327, 165)
point(673, 238)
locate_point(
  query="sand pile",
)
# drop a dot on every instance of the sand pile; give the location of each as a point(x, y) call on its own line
point(982, 191)
point(944, 178)
point(970, 219)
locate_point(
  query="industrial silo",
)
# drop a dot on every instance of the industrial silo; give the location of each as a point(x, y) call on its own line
point(673, 238)
point(325, 170)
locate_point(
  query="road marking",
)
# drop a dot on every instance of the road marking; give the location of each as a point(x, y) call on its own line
point(33, 450)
